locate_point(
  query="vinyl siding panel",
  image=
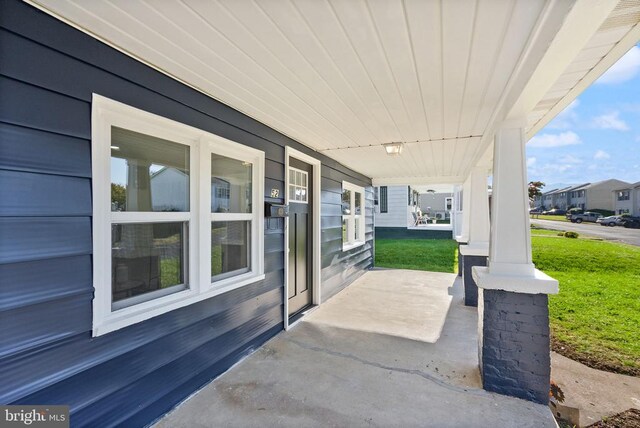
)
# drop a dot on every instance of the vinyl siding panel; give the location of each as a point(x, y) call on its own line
point(27, 149)
point(397, 212)
point(48, 73)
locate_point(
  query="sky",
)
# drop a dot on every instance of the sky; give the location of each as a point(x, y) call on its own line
point(597, 136)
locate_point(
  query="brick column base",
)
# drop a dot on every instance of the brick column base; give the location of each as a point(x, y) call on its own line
point(470, 286)
point(514, 347)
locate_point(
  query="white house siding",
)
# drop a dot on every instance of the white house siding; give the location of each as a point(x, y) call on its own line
point(630, 206)
point(398, 213)
point(598, 195)
point(435, 204)
point(165, 184)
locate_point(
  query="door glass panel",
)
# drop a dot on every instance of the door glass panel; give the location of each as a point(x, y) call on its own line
point(297, 186)
point(148, 173)
point(230, 185)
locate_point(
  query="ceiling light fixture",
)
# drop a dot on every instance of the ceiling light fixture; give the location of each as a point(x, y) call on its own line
point(393, 149)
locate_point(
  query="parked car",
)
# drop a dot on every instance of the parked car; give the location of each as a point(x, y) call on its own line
point(585, 216)
point(536, 210)
point(631, 222)
point(612, 220)
point(555, 211)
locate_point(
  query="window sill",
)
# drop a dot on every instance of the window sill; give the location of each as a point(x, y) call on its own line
point(347, 247)
point(147, 310)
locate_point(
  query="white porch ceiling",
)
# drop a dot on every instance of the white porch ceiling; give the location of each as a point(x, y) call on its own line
point(344, 77)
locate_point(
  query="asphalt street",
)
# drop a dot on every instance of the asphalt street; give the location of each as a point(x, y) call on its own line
point(617, 233)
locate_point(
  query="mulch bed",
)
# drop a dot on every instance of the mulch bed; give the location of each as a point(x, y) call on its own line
point(569, 352)
point(627, 419)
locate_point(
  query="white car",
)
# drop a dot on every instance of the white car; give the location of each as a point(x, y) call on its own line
point(613, 220)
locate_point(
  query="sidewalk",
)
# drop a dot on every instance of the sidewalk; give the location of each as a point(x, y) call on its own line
point(596, 393)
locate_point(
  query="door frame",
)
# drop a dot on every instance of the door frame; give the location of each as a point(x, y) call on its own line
point(290, 152)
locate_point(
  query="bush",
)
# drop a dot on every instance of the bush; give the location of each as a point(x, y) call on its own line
point(560, 233)
point(605, 213)
point(572, 235)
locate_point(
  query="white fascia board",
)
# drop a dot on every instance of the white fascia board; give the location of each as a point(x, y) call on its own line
point(538, 283)
point(623, 46)
point(549, 24)
point(582, 22)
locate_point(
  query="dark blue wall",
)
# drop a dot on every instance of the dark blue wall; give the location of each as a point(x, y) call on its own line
point(48, 72)
point(404, 233)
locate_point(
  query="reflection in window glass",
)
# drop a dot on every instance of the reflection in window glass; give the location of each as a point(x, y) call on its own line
point(230, 185)
point(297, 185)
point(346, 202)
point(345, 231)
point(230, 248)
point(358, 203)
point(147, 261)
point(148, 173)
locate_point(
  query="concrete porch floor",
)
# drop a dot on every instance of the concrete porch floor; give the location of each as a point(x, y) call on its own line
point(396, 348)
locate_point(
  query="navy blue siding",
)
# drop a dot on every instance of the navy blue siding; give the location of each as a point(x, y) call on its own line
point(48, 73)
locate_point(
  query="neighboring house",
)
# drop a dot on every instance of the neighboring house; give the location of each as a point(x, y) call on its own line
point(598, 195)
point(587, 196)
point(577, 196)
point(396, 206)
point(544, 200)
point(438, 205)
point(167, 182)
point(626, 200)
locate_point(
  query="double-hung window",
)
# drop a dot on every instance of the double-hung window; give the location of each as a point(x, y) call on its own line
point(352, 216)
point(176, 215)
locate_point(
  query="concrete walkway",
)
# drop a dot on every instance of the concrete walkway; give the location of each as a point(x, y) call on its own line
point(395, 349)
point(596, 393)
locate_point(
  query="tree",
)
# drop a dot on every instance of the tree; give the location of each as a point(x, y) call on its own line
point(535, 188)
point(118, 196)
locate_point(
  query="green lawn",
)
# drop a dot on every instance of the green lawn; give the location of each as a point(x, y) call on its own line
point(549, 217)
point(596, 316)
point(435, 255)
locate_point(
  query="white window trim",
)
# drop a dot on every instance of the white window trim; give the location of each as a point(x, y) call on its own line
point(351, 218)
point(107, 113)
point(315, 184)
point(448, 201)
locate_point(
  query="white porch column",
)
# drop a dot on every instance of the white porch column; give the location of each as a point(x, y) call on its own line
point(464, 218)
point(513, 311)
point(456, 216)
point(475, 252)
